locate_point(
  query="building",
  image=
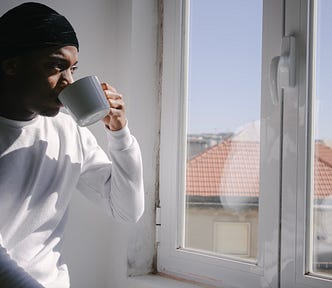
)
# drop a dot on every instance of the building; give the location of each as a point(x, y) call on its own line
point(223, 198)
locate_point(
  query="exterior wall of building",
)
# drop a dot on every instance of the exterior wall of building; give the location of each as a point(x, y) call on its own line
point(200, 230)
point(322, 243)
point(200, 225)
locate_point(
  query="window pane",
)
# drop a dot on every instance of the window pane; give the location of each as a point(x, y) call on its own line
point(223, 138)
point(321, 230)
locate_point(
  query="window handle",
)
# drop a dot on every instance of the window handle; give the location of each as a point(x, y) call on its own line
point(282, 69)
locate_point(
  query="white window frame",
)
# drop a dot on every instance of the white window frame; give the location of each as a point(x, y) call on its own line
point(298, 108)
point(286, 152)
point(190, 264)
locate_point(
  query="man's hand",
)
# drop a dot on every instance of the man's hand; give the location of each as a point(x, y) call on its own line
point(116, 118)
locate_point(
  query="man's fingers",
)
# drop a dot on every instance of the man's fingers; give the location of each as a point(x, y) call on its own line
point(115, 119)
point(112, 95)
point(107, 86)
point(117, 104)
point(116, 113)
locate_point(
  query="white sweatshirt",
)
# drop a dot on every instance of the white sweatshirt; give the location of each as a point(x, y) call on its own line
point(42, 162)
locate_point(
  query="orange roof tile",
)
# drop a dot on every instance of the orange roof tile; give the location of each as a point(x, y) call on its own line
point(231, 168)
point(323, 171)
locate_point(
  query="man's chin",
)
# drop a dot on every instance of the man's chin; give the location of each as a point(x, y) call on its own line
point(50, 113)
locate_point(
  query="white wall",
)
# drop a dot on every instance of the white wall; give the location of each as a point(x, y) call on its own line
point(118, 42)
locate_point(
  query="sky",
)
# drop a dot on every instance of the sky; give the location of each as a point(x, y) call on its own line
point(225, 65)
point(324, 70)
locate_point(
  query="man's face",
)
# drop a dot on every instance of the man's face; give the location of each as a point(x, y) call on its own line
point(41, 76)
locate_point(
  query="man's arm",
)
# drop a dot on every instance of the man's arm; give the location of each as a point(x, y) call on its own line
point(119, 183)
point(13, 276)
point(116, 185)
point(127, 191)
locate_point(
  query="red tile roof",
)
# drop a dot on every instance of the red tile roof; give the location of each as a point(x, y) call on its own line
point(231, 168)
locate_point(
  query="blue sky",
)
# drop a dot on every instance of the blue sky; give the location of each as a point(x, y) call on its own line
point(225, 65)
point(324, 70)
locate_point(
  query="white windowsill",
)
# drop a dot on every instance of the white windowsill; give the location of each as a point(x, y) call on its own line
point(159, 281)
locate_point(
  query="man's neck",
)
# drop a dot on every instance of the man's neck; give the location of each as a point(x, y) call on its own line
point(16, 115)
point(11, 108)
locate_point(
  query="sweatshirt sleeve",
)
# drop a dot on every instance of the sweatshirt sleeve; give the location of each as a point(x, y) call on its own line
point(114, 181)
point(11, 275)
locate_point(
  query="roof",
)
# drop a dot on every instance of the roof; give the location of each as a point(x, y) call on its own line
point(323, 171)
point(231, 168)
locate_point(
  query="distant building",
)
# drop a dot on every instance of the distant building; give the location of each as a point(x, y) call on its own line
point(222, 192)
point(197, 143)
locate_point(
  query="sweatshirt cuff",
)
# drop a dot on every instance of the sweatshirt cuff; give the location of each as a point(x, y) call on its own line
point(120, 139)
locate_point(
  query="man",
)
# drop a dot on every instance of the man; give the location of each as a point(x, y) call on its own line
point(45, 156)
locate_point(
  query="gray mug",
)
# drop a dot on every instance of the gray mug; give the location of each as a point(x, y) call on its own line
point(85, 101)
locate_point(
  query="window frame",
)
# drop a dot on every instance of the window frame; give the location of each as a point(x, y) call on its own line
point(300, 18)
point(190, 264)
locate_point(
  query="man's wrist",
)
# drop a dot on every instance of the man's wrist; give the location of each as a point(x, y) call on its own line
point(120, 139)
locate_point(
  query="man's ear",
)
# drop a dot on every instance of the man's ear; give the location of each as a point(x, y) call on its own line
point(9, 66)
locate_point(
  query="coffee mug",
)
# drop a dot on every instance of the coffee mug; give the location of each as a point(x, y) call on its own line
point(85, 101)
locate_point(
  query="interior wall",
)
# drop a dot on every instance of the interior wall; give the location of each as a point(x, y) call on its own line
point(118, 44)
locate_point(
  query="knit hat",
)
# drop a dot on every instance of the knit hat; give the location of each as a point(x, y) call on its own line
point(31, 26)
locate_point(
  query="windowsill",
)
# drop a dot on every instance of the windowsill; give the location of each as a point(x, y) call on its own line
point(160, 281)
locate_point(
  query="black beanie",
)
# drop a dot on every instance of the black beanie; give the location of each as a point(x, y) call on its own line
point(33, 26)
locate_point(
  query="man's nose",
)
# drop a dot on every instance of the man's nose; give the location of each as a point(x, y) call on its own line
point(67, 76)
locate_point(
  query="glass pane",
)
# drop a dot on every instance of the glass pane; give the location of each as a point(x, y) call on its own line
point(223, 138)
point(321, 230)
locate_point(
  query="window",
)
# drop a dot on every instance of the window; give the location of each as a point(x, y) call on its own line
point(321, 190)
point(244, 176)
point(223, 138)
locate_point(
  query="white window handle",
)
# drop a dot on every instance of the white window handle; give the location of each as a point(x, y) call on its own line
point(282, 69)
